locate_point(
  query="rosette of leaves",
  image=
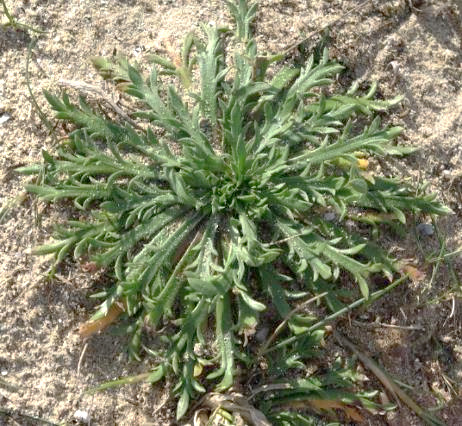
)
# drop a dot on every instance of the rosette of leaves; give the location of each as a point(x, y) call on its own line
point(213, 209)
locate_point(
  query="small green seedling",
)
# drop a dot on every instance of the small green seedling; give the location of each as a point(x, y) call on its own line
point(12, 22)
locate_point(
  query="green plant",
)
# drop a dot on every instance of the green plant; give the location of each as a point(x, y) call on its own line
point(222, 208)
point(294, 386)
point(12, 22)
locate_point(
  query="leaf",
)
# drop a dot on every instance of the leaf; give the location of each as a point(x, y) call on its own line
point(183, 404)
point(211, 71)
point(225, 342)
point(252, 303)
point(363, 163)
point(243, 15)
point(92, 327)
point(284, 76)
point(209, 288)
point(415, 274)
point(325, 404)
point(157, 374)
point(119, 382)
point(363, 287)
point(236, 404)
point(167, 295)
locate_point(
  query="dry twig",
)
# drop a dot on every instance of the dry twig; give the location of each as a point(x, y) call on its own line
point(95, 90)
point(386, 381)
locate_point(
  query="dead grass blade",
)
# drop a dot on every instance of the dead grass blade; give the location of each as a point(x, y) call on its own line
point(26, 417)
point(285, 321)
point(415, 274)
point(327, 405)
point(236, 403)
point(10, 204)
point(374, 296)
point(325, 27)
point(90, 328)
point(81, 86)
point(387, 382)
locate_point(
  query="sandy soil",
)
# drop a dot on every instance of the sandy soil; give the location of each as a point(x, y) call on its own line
point(411, 47)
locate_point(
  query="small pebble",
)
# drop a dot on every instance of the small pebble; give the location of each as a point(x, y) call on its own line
point(4, 372)
point(262, 334)
point(4, 118)
point(446, 173)
point(137, 51)
point(329, 216)
point(82, 416)
point(395, 66)
point(425, 229)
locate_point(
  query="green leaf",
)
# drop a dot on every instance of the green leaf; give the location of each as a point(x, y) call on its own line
point(225, 342)
point(157, 374)
point(252, 303)
point(183, 404)
point(209, 288)
point(212, 72)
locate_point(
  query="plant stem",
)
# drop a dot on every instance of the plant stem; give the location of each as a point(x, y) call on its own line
point(33, 100)
point(13, 413)
point(374, 296)
point(281, 326)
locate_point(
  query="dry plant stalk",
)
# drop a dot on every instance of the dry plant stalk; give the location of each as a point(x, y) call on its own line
point(90, 328)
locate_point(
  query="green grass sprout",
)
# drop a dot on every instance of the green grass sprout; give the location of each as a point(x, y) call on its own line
point(13, 23)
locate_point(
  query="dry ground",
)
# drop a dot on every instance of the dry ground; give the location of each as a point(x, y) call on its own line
point(412, 47)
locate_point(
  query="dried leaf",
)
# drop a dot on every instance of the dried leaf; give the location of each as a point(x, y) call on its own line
point(387, 382)
point(90, 267)
point(236, 404)
point(353, 414)
point(172, 51)
point(325, 404)
point(90, 328)
point(200, 418)
point(379, 217)
point(198, 368)
point(328, 404)
point(363, 163)
point(416, 275)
